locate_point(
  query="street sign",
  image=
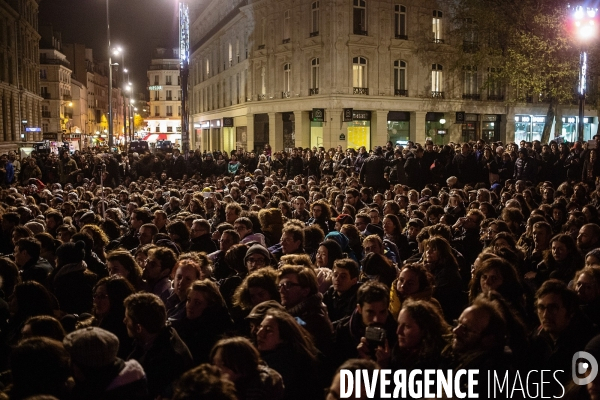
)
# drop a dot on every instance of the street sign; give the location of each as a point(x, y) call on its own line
point(342, 136)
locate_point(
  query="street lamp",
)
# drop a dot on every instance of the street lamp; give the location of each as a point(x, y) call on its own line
point(585, 27)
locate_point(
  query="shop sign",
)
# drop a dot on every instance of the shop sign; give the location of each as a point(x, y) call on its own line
point(155, 87)
point(228, 122)
point(347, 114)
point(50, 136)
point(361, 115)
point(442, 131)
point(318, 115)
point(471, 117)
point(570, 120)
point(33, 129)
point(342, 136)
point(490, 117)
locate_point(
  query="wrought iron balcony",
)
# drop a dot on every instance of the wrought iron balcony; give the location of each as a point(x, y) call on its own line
point(313, 91)
point(286, 95)
point(438, 41)
point(261, 97)
point(401, 92)
point(496, 97)
point(169, 98)
point(437, 95)
point(313, 34)
point(284, 41)
point(361, 32)
point(46, 96)
point(360, 90)
point(67, 97)
point(169, 114)
point(471, 96)
point(46, 114)
point(470, 47)
point(402, 37)
point(261, 46)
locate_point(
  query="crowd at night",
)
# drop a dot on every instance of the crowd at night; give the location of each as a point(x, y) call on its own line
point(261, 275)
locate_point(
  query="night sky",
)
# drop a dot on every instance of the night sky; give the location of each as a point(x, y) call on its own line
point(139, 26)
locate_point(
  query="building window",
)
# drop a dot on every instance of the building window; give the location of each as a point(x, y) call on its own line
point(157, 129)
point(237, 50)
point(286, 26)
point(400, 88)
point(168, 78)
point(400, 22)
point(169, 95)
point(263, 34)
point(43, 74)
point(436, 80)
point(263, 81)
point(156, 80)
point(470, 37)
point(495, 85)
point(359, 75)
point(207, 68)
point(470, 86)
point(157, 111)
point(437, 27)
point(287, 78)
point(314, 20)
point(169, 129)
point(359, 22)
point(179, 111)
point(314, 76)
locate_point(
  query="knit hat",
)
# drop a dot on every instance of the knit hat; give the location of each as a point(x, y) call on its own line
point(260, 310)
point(92, 347)
point(373, 229)
point(71, 253)
point(258, 249)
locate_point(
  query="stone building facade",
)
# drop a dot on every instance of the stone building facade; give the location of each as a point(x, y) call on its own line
point(345, 72)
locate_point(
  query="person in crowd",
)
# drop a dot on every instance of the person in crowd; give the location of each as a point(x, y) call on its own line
point(27, 258)
point(414, 282)
point(44, 326)
point(340, 298)
point(200, 239)
point(284, 345)
point(120, 262)
point(157, 346)
point(240, 362)
point(588, 238)
point(157, 271)
point(206, 319)
point(561, 262)
point(587, 287)
point(187, 271)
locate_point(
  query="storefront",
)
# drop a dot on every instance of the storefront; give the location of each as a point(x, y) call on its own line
point(522, 128)
point(358, 129)
point(398, 127)
point(261, 131)
point(470, 128)
point(215, 135)
point(228, 134)
point(490, 128)
point(289, 130)
point(435, 128)
point(537, 127)
point(569, 131)
point(316, 117)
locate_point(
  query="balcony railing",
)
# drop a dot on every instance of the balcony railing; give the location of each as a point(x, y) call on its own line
point(471, 96)
point(284, 41)
point(156, 67)
point(361, 32)
point(169, 98)
point(360, 90)
point(67, 97)
point(261, 46)
point(46, 114)
point(55, 61)
point(313, 91)
point(169, 114)
point(313, 34)
point(401, 92)
point(157, 114)
point(261, 97)
point(438, 41)
point(286, 95)
point(495, 97)
point(437, 95)
point(46, 96)
point(402, 37)
point(156, 98)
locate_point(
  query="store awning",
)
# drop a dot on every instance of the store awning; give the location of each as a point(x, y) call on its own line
point(153, 137)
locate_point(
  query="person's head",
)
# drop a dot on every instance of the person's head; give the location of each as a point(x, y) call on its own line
point(243, 226)
point(421, 327)
point(587, 284)
point(109, 294)
point(257, 256)
point(159, 219)
point(413, 279)
point(437, 251)
point(178, 232)
point(200, 227)
point(204, 382)
point(373, 299)
point(121, 262)
point(145, 315)
point(71, 253)
point(562, 246)
point(43, 326)
point(146, 233)
point(355, 365)
point(27, 250)
point(202, 295)
point(542, 233)
point(494, 274)
point(187, 271)
point(232, 212)
point(292, 239)
point(258, 287)
point(279, 327)
point(480, 327)
point(327, 252)
point(373, 244)
point(30, 299)
point(236, 357)
point(39, 366)
point(361, 221)
point(228, 238)
point(296, 284)
point(555, 304)
point(139, 217)
point(345, 274)
point(589, 236)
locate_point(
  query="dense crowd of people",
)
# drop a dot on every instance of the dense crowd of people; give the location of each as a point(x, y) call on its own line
point(261, 275)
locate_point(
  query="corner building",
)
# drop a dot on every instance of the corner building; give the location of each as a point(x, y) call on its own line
point(347, 72)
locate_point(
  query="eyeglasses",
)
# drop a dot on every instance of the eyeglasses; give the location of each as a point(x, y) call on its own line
point(257, 261)
point(287, 285)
